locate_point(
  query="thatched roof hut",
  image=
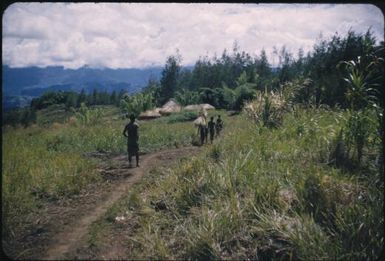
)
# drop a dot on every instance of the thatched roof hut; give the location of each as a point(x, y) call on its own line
point(192, 107)
point(150, 114)
point(197, 107)
point(207, 106)
point(170, 107)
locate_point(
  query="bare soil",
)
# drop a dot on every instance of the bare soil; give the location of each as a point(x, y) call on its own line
point(62, 225)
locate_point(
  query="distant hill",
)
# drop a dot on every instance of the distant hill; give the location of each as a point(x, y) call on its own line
point(21, 84)
point(23, 81)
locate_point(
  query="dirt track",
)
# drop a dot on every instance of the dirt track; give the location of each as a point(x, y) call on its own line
point(71, 230)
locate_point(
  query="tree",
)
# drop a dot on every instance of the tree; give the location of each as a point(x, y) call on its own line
point(82, 98)
point(113, 97)
point(321, 65)
point(137, 103)
point(28, 116)
point(169, 79)
point(186, 97)
point(71, 99)
point(285, 72)
point(121, 94)
point(153, 87)
point(94, 98)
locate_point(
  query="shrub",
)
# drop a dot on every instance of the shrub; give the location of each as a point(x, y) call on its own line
point(182, 116)
point(267, 108)
point(137, 103)
point(358, 129)
point(86, 116)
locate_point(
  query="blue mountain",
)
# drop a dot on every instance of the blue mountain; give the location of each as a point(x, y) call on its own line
point(20, 85)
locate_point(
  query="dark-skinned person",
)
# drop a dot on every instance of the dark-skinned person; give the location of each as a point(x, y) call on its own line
point(218, 125)
point(131, 133)
point(211, 127)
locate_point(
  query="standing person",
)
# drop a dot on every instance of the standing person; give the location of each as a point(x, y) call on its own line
point(219, 125)
point(211, 127)
point(131, 132)
point(206, 132)
point(202, 133)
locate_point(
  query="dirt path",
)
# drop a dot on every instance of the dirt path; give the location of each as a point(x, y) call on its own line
point(70, 237)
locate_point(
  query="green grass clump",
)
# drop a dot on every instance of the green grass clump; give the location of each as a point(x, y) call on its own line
point(262, 193)
point(180, 117)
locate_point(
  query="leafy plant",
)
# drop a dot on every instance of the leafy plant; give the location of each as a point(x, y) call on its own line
point(186, 97)
point(360, 92)
point(181, 116)
point(267, 108)
point(86, 116)
point(137, 103)
point(359, 127)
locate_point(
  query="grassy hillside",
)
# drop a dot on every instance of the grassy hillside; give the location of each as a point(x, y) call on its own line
point(257, 193)
point(49, 160)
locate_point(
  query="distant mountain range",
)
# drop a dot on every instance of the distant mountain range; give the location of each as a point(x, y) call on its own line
point(20, 85)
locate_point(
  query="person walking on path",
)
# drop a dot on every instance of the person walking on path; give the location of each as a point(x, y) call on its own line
point(202, 132)
point(219, 125)
point(131, 133)
point(211, 127)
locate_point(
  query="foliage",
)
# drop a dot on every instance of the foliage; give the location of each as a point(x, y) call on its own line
point(359, 93)
point(320, 66)
point(86, 116)
point(181, 116)
point(24, 116)
point(359, 127)
point(364, 100)
point(169, 79)
point(47, 99)
point(73, 99)
point(211, 96)
point(186, 97)
point(154, 88)
point(267, 108)
point(243, 93)
point(137, 103)
point(299, 91)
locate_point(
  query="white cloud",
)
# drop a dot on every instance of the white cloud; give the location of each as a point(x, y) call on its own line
point(120, 35)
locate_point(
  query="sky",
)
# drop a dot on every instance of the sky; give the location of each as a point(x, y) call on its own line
point(136, 35)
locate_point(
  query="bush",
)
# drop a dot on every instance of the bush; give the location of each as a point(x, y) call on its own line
point(182, 116)
point(359, 126)
point(267, 109)
point(137, 103)
point(86, 116)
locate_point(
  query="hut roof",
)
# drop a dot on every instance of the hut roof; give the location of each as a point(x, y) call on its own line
point(207, 106)
point(150, 114)
point(192, 107)
point(170, 107)
point(197, 107)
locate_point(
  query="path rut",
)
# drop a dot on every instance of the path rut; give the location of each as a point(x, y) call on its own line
point(71, 237)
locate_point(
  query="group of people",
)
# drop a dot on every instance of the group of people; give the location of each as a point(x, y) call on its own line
point(204, 128)
point(212, 128)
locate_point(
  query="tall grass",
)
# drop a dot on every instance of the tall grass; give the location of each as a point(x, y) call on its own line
point(261, 193)
point(51, 162)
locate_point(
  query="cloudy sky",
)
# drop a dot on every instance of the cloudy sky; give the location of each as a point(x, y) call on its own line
point(123, 35)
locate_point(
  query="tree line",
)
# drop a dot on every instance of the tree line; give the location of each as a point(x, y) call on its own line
point(70, 100)
point(234, 77)
point(227, 81)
